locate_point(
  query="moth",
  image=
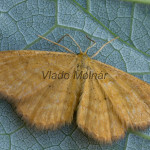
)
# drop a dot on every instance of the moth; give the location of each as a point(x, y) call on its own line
point(48, 87)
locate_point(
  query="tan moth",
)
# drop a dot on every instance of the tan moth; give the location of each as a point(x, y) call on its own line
point(48, 87)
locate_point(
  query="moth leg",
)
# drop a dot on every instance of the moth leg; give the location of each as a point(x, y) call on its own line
point(103, 47)
point(94, 43)
point(67, 49)
point(90, 39)
point(72, 40)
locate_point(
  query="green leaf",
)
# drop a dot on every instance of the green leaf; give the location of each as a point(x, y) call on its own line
point(20, 23)
point(140, 1)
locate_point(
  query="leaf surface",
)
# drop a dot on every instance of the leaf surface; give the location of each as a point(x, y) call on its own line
point(20, 23)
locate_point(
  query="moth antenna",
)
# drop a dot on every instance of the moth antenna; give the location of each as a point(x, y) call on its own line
point(104, 46)
point(94, 43)
point(72, 40)
point(67, 49)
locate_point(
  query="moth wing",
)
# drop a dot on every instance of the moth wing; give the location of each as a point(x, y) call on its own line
point(96, 115)
point(24, 80)
point(111, 105)
point(129, 95)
